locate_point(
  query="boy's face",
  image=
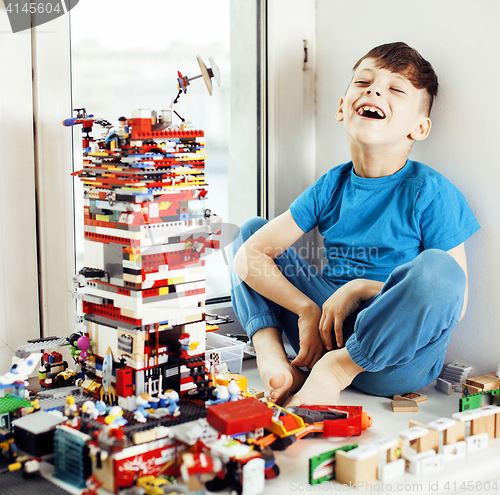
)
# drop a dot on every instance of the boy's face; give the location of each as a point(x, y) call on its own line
point(383, 108)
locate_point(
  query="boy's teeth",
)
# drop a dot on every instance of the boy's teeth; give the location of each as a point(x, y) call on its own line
point(368, 108)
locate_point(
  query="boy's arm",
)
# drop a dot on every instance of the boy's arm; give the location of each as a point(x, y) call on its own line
point(254, 264)
point(458, 253)
point(350, 296)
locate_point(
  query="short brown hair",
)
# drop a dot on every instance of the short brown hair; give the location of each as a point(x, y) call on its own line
point(402, 59)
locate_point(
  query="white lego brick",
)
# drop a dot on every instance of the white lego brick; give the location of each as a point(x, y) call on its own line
point(362, 453)
point(454, 450)
point(128, 403)
point(133, 265)
point(106, 337)
point(415, 461)
point(465, 416)
point(477, 442)
point(392, 470)
point(122, 234)
point(458, 367)
point(93, 254)
point(431, 464)
point(441, 424)
point(187, 386)
point(197, 333)
point(413, 433)
point(384, 444)
point(141, 309)
point(154, 211)
point(444, 386)
point(253, 477)
point(141, 113)
point(489, 410)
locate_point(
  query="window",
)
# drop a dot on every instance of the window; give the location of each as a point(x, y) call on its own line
point(125, 56)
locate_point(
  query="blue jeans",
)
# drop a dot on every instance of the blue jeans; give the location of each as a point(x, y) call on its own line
point(399, 336)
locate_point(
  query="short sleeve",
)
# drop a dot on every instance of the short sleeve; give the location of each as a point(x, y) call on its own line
point(446, 219)
point(307, 208)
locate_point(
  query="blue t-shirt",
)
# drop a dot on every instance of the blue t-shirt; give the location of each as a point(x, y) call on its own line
point(371, 226)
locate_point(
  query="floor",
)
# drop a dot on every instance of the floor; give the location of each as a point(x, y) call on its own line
point(471, 474)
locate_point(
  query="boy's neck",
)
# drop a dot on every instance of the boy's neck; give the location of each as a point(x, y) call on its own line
point(375, 163)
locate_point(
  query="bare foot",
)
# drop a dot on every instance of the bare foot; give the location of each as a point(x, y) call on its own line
point(331, 374)
point(280, 379)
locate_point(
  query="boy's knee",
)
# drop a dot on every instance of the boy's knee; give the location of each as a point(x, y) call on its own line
point(251, 226)
point(245, 231)
point(435, 270)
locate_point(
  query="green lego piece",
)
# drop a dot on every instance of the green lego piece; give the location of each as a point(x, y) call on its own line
point(9, 403)
point(475, 401)
point(322, 467)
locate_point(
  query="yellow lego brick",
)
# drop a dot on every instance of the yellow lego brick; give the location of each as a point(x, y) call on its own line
point(175, 280)
point(102, 218)
point(165, 205)
point(163, 290)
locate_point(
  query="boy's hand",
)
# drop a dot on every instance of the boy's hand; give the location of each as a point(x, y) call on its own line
point(336, 309)
point(311, 345)
point(341, 304)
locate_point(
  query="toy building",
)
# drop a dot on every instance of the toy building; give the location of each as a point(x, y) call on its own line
point(146, 234)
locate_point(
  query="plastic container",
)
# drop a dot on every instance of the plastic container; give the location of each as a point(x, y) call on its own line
point(230, 350)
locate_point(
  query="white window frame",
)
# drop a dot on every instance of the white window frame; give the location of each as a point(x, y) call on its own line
point(54, 183)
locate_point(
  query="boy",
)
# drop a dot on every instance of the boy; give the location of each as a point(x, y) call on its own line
point(395, 282)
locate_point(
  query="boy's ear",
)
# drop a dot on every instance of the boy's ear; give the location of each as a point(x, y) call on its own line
point(339, 116)
point(421, 130)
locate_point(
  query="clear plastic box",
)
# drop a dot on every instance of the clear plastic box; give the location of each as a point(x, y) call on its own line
point(230, 350)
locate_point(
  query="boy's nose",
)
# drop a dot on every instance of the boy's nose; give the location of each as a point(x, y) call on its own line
point(370, 91)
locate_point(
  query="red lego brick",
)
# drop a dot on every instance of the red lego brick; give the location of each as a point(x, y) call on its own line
point(124, 382)
point(231, 418)
point(353, 424)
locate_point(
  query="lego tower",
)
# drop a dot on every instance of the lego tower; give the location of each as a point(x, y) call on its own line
point(146, 231)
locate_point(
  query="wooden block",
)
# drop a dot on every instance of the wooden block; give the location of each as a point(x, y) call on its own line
point(485, 382)
point(411, 396)
point(427, 442)
point(497, 425)
point(404, 406)
point(485, 424)
point(471, 389)
point(349, 470)
point(454, 434)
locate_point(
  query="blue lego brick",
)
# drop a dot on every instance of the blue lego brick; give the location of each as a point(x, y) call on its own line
point(71, 460)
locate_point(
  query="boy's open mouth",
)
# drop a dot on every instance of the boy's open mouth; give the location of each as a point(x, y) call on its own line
point(370, 112)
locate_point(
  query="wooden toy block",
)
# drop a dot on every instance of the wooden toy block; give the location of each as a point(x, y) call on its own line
point(425, 442)
point(497, 425)
point(468, 389)
point(411, 396)
point(404, 406)
point(454, 434)
point(357, 465)
point(485, 382)
point(409, 435)
point(485, 424)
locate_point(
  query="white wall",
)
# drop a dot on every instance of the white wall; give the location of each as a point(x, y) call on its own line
point(461, 39)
